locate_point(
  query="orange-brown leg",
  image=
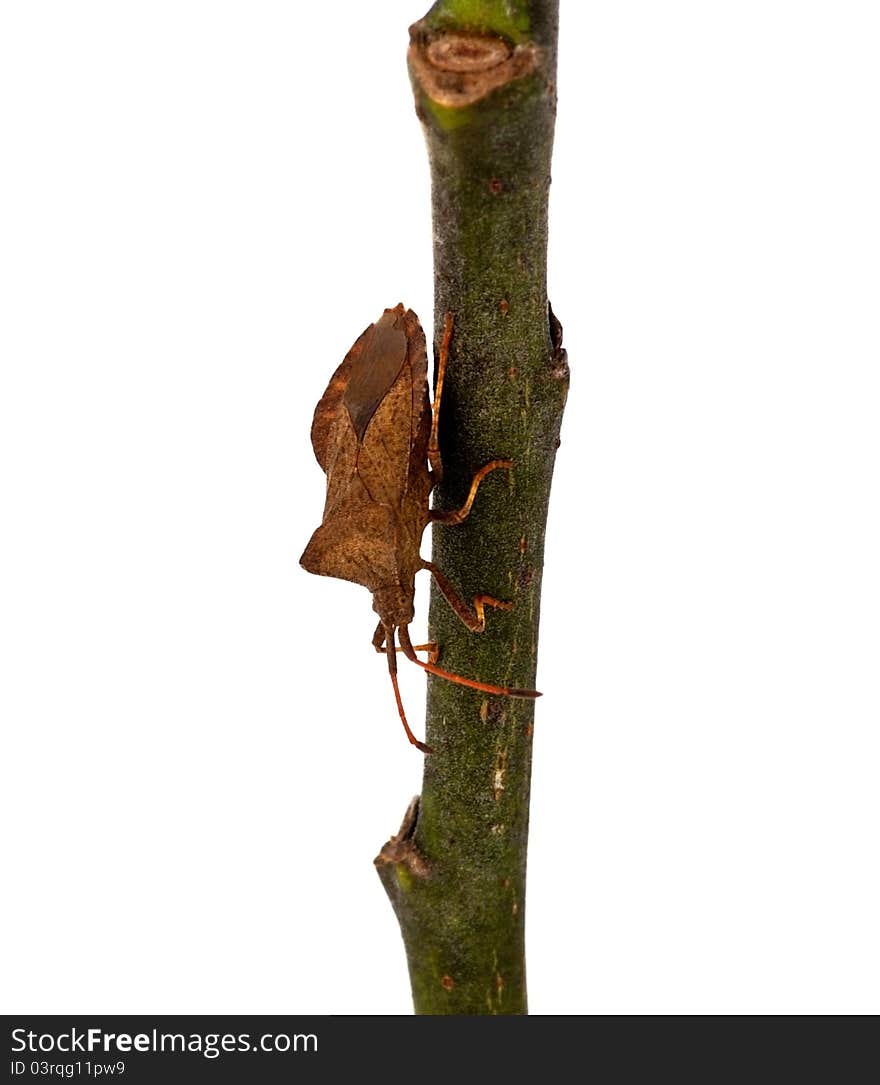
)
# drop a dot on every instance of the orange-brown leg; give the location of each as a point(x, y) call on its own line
point(474, 619)
point(431, 647)
point(433, 442)
point(455, 516)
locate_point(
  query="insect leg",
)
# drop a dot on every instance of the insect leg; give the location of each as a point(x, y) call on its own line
point(388, 636)
point(431, 648)
point(433, 443)
point(474, 619)
point(409, 649)
point(379, 644)
point(455, 516)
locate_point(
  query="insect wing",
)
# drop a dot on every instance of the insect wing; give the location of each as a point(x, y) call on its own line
point(392, 450)
point(375, 369)
point(327, 413)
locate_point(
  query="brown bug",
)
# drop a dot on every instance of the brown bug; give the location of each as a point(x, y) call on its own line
point(375, 435)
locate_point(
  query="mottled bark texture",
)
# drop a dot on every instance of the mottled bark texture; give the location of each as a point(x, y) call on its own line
point(483, 74)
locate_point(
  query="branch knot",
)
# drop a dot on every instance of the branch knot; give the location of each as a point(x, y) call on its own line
point(401, 848)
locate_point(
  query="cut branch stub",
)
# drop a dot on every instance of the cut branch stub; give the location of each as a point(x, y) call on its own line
point(457, 70)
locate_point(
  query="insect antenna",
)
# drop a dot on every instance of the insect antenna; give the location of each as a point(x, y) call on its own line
point(471, 683)
point(392, 670)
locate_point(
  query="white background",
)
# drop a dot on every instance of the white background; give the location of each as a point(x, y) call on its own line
point(203, 204)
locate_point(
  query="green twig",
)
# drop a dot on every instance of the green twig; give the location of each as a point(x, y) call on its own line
point(483, 74)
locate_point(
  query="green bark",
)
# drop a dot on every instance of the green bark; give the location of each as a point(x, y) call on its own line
point(455, 873)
